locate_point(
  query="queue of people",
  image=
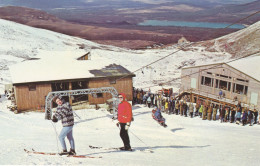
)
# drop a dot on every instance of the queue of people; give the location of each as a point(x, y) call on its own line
point(202, 109)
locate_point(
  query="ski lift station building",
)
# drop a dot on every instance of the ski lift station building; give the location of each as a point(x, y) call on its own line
point(33, 79)
point(239, 80)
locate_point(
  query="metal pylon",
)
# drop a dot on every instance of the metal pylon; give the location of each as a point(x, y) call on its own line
point(51, 95)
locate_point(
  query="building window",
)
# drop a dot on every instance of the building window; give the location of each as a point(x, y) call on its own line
point(224, 76)
point(112, 81)
point(207, 81)
point(223, 85)
point(32, 87)
point(242, 80)
point(97, 95)
point(240, 89)
point(217, 83)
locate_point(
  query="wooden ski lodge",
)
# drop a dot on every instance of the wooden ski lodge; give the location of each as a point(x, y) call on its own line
point(238, 80)
point(34, 79)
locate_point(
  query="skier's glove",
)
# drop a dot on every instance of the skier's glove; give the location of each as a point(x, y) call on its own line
point(127, 125)
point(117, 124)
point(54, 119)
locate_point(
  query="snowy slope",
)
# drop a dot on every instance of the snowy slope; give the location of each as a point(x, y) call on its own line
point(185, 142)
point(19, 42)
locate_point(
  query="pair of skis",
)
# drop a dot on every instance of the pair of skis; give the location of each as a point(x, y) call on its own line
point(85, 156)
point(48, 153)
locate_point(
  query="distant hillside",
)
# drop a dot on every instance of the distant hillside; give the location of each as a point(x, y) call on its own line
point(240, 43)
point(41, 19)
point(123, 35)
point(26, 15)
point(230, 13)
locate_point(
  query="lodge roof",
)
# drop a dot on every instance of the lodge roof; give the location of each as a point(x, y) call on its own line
point(45, 70)
point(249, 66)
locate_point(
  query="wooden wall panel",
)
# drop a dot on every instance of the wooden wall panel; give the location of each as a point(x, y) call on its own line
point(31, 100)
point(124, 85)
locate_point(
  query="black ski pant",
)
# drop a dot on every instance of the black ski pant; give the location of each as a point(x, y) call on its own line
point(124, 135)
point(255, 114)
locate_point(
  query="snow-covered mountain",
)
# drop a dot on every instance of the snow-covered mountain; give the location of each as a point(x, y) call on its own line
point(20, 42)
point(240, 43)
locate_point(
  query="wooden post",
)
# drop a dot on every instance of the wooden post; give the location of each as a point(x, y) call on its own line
point(70, 88)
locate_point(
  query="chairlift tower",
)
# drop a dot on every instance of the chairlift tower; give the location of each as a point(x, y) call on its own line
point(51, 95)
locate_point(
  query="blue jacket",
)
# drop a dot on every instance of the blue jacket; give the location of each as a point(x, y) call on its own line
point(244, 117)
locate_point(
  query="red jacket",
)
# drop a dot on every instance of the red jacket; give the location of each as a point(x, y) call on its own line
point(124, 111)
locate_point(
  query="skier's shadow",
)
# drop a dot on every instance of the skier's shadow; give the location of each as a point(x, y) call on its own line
point(149, 149)
point(142, 113)
point(169, 147)
point(173, 130)
point(86, 120)
point(135, 107)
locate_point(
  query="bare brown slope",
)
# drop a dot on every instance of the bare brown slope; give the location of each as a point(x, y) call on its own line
point(113, 36)
point(241, 43)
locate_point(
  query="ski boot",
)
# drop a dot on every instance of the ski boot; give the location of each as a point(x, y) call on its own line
point(64, 152)
point(72, 152)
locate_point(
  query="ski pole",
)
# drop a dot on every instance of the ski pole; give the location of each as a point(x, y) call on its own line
point(151, 151)
point(56, 135)
point(76, 114)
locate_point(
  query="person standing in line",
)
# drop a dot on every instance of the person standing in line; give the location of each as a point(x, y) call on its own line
point(149, 100)
point(181, 108)
point(220, 112)
point(244, 117)
point(258, 117)
point(124, 120)
point(239, 112)
point(135, 97)
point(138, 97)
point(159, 102)
point(204, 113)
point(170, 105)
point(144, 100)
point(215, 112)
point(255, 116)
point(152, 99)
point(184, 108)
point(197, 108)
point(201, 110)
point(191, 109)
point(226, 114)
point(233, 113)
point(209, 113)
point(166, 106)
point(141, 98)
point(155, 101)
point(177, 107)
point(223, 113)
point(163, 103)
point(173, 105)
point(65, 114)
point(250, 117)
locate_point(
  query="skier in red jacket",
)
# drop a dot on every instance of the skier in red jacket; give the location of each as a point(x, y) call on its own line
point(124, 120)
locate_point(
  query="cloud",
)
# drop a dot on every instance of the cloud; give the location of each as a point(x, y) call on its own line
point(143, 1)
point(152, 1)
